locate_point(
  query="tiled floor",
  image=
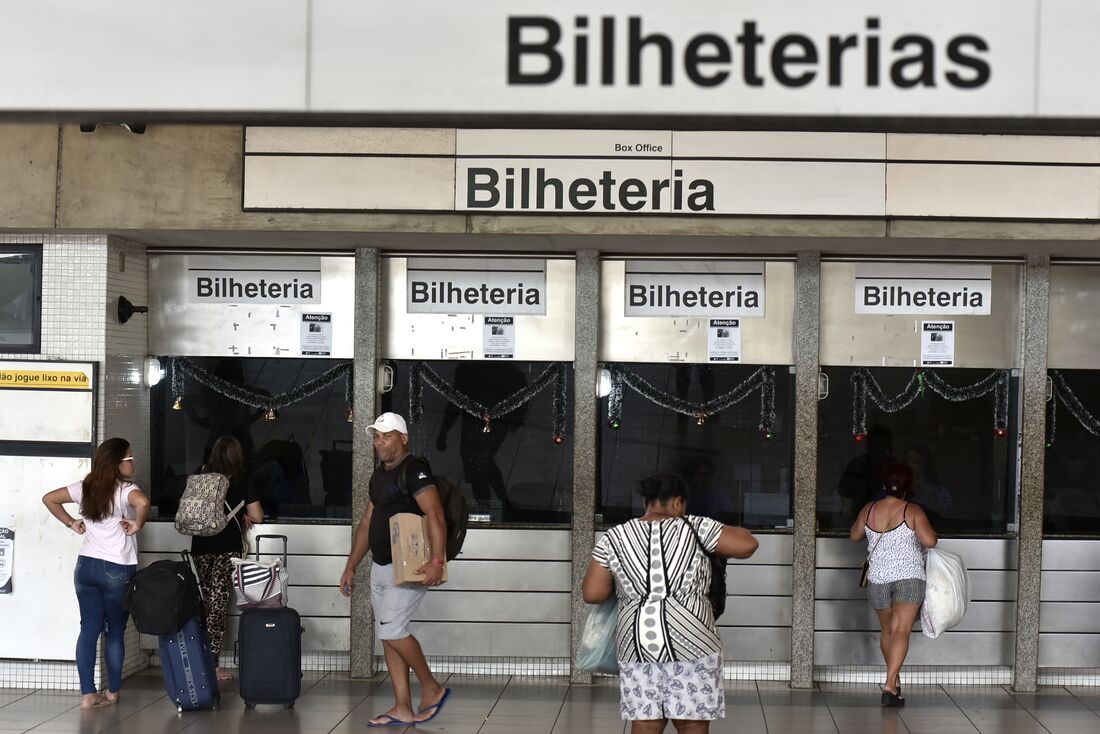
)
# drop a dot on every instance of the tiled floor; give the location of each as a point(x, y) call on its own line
point(514, 705)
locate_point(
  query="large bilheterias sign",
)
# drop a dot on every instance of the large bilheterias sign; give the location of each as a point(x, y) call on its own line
point(448, 61)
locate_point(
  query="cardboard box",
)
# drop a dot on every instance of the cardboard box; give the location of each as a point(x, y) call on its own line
point(409, 547)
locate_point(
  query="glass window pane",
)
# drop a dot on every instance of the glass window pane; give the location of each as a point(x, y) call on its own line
point(513, 473)
point(963, 474)
point(300, 462)
point(1072, 498)
point(735, 474)
point(20, 299)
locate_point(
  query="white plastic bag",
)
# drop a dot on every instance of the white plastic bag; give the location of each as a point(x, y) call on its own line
point(596, 651)
point(947, 592)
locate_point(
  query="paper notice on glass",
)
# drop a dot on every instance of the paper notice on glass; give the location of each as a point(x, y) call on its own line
point(316, 334)
point(724, 340)
point(7, 555)
point(937, 344)
point(499, 337)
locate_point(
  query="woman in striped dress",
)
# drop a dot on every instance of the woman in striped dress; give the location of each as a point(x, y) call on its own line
point(897, 533)
point(669, 652)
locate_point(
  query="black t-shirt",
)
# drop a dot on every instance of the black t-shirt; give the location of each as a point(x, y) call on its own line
point(389, 500)
point(229, 539)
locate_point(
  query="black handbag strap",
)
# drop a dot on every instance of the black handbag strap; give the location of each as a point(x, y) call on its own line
point(698, 540)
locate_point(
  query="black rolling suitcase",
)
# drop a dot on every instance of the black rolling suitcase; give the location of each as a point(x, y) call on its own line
point(270, 650)
point(188, 668)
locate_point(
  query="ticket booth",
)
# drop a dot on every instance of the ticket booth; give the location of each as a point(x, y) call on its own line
point(697, 381)
point(477, 353)
point(918, 365)
point(1069, 635)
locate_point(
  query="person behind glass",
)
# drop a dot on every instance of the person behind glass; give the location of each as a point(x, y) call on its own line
point(111, 511)
point(669, 652)
point(213, 554)
point(394, 605)
point(897, 533)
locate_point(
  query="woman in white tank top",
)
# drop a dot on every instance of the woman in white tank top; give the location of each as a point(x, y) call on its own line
point(897, 534)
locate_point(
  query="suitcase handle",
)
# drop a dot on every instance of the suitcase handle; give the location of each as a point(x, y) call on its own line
point(258, 538)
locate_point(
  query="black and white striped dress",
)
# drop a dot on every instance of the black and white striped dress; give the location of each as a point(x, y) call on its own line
point(661, 578)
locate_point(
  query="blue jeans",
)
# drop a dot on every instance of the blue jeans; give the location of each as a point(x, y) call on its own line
point(100, 586)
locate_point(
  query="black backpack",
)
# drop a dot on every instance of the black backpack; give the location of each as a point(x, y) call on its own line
point(716, 594)
point(455, 514)
point(162, 597)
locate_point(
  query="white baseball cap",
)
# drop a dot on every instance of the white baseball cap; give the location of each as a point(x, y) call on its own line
point(388, 422)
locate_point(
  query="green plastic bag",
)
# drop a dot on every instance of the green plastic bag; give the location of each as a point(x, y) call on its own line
point(596, 652)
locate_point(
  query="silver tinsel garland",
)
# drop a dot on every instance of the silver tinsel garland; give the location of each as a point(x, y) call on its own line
point(1063, 393)
point(864, 386)
point(181, 368)
point(554, 374)
point(763, 378)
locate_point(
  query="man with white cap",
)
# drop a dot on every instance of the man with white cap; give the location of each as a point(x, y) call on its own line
point(394, 605)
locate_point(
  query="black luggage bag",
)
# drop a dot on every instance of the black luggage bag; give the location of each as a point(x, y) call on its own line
point(269, 644)
point(270, 648)
point(188, 668)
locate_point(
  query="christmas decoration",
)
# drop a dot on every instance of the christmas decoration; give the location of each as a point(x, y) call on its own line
point(555, 374)
point(763, 378)
point(181, 369)
point(864, 386)
point(1062, 392)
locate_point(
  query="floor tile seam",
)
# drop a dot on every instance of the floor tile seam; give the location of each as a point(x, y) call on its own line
point(361, 701)
point(28, 694)
point(1012, 695)
point(960, 708)
point(760, 703)
point(1088, 708)
point(499, 695)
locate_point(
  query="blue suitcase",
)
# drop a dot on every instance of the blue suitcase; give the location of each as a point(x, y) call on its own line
point(188, 668)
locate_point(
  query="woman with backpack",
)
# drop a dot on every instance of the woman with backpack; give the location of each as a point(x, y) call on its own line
point(213, 553)
point(111, 511)
point(669, 652)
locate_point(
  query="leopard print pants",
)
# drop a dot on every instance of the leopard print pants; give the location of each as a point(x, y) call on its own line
point(216, 579)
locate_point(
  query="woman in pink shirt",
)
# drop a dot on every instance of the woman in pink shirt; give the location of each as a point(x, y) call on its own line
point(112, 510)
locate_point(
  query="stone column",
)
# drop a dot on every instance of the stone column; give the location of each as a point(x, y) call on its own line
point(807, 321)
point(368, 271)
point(585, 437)
point(1033, 425)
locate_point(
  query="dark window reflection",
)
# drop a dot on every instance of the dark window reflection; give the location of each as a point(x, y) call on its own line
point(513, 473)
point(20, 298)
point(300, 462)
point(735, 475)
point(963, 475)
point(1072, 498)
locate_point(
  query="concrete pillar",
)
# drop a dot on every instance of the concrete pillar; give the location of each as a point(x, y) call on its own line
point(368, 271)
point(1036, 308)
point(586, 436)
point(806, 337)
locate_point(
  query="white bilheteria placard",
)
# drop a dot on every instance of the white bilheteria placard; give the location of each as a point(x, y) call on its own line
point(499, 337)
point(276, 280)
point(702, 288)
point(724, 340)
point(937, 344)
point(923, 288)
point(476, 285)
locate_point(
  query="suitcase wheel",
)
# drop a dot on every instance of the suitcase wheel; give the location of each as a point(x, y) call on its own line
point(290, 705)
point(249, 706)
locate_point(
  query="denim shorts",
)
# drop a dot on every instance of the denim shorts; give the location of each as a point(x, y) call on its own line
point(903, 591)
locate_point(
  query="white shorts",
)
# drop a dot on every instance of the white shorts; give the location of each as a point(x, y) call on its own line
point(393, 605)
point(691, 690)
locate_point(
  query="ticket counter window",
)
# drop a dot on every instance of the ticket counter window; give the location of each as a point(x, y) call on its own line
point(20, 298)
point(735, 474)
point(963, 471)
point(300, 462)
point(511, 469)
point(1072, 496)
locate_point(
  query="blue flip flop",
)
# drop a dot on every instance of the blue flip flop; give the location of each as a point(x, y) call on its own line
point(393, 721)
point(436, 707)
